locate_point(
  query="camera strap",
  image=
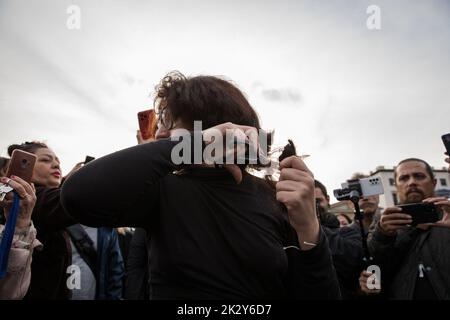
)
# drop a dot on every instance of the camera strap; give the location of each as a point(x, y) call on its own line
point(8, 235)
point(84, 245)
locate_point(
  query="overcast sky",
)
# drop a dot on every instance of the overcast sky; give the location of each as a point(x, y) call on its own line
point(351, 97)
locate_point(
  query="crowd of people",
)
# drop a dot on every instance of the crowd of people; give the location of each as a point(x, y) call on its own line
point(213, 230)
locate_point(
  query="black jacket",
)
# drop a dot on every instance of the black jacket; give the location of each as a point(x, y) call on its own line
point(49, 266)
point(399, 258)
point(110, 265)
point(347, 252)
point(137, 283)
point(210, 237)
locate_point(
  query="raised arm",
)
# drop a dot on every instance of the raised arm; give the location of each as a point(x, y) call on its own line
point(120, 189)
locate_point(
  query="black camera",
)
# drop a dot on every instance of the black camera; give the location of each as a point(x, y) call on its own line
point(358, 188)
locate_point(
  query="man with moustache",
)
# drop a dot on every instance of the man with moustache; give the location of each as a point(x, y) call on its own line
point(414, 261)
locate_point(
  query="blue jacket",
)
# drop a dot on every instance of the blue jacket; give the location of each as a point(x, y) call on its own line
point(110, 266)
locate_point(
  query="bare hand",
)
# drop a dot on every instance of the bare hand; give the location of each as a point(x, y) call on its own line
point(141, 140)
point(244, 133)
point(445, 222)
point(363, 278)
point(27, 194)
point(444, 204)
point(393, 220)
point(441, 202)
point(295, 190)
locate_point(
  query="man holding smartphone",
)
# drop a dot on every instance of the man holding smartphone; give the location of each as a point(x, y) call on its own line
point(414, 261)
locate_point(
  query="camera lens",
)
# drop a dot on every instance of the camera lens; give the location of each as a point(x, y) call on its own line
point(24, 163)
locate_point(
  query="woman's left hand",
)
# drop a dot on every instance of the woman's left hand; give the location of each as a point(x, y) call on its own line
point(295, 190)
point(27, 194)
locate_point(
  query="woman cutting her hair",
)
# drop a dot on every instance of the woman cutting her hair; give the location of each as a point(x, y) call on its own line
point(216, 232)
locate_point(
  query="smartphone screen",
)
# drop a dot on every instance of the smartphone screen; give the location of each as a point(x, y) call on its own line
point(21, 165)
point(446, 141)
point(146, 122)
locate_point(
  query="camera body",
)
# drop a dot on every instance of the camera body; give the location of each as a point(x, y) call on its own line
point(365, 187)
point(421, 212)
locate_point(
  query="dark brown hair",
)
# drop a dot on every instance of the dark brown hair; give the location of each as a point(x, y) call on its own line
point(209, 99)
point(346, 217)
point(428, 168)
point(318, 184)
point(4, 162)
point(30, 147)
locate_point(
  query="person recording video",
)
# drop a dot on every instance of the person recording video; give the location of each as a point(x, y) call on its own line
point(345, 244)
point(17, 280)
point(414, 260)
point(60, 251)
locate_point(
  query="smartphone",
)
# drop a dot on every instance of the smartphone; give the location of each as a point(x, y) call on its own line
point(21, 165)
point(146, 123)
point(421, 212)
point(446, 140)
point(88, 159)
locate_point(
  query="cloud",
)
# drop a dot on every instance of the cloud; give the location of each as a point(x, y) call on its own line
point(128, 79)
point(281, 95)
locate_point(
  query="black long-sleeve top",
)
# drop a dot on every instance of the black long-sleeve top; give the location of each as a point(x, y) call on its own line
point(137, 282)
point(210, 237)
point(346, 250)
point(49, 266)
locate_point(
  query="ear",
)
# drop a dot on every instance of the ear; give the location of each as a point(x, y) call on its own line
point(434, 182)
point(328, 199)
